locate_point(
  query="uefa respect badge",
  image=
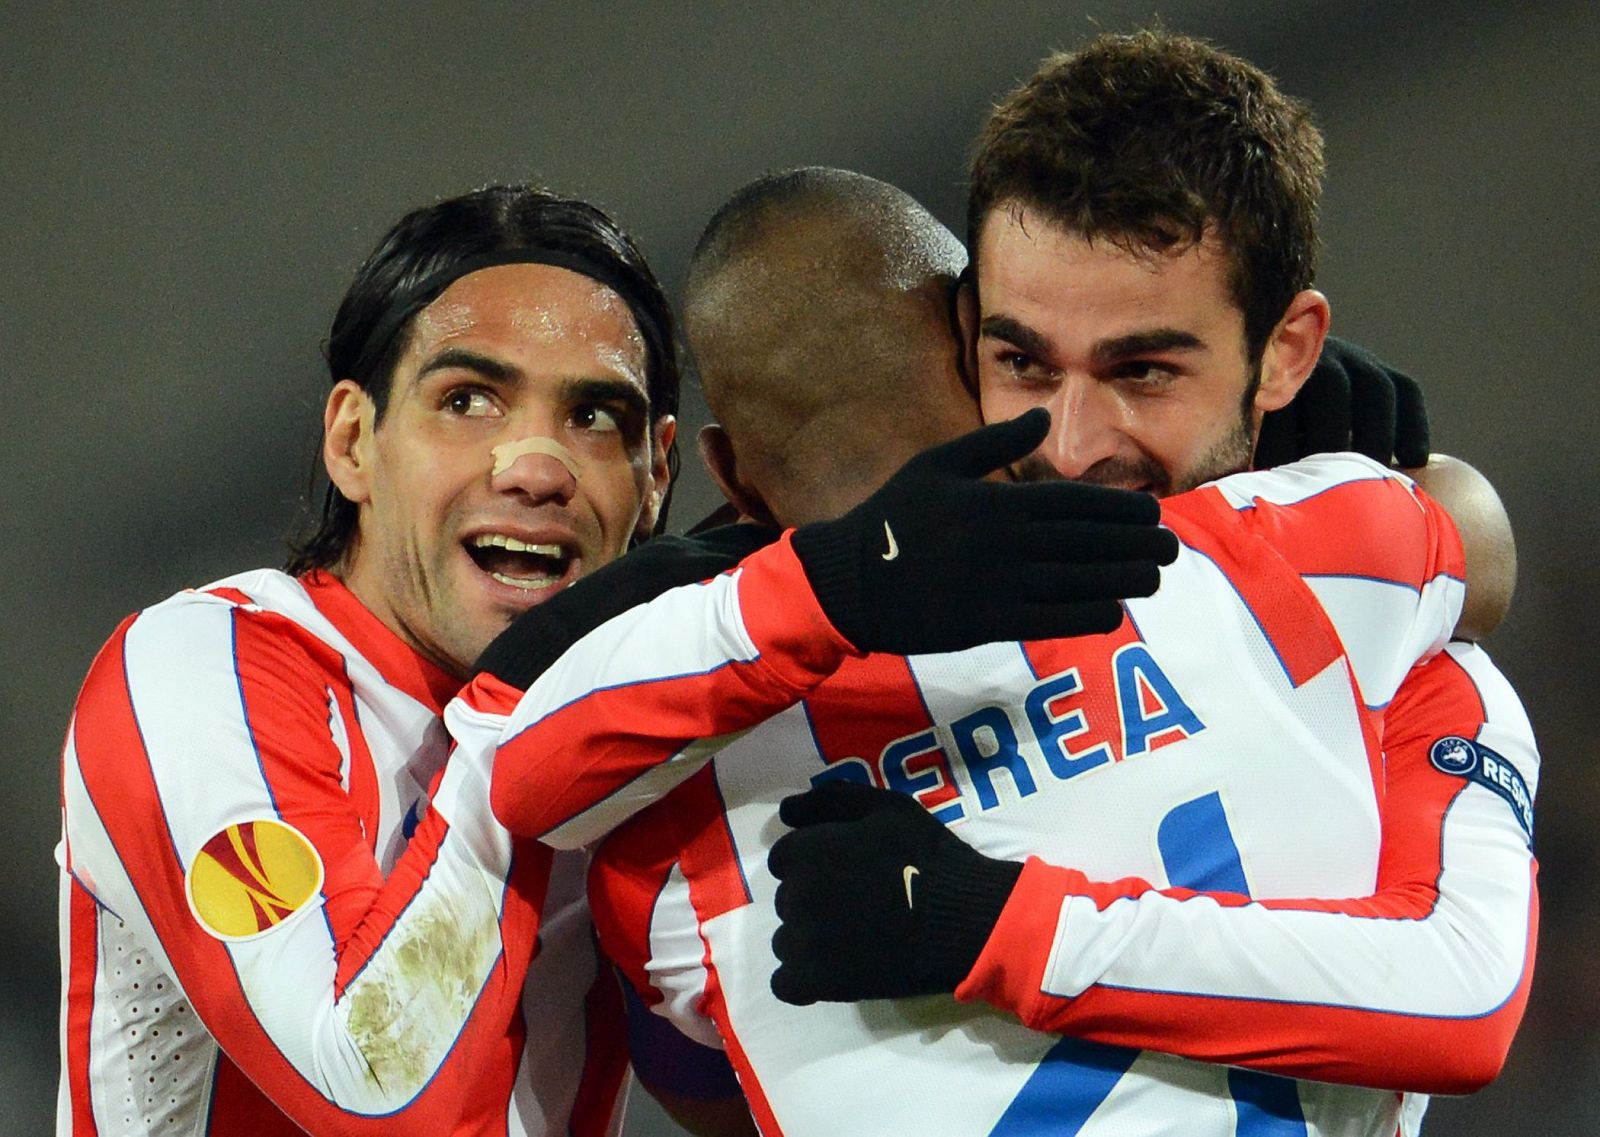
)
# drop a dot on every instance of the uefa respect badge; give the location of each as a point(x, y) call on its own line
point(1470, 759)
point(250, 877)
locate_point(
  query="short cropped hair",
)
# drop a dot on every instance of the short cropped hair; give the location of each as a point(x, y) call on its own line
point(1153, 142)
point(366, 342)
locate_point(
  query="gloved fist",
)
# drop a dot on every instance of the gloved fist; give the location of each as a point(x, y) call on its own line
point(939, 559)
point(1352, 401)
point(877, 899)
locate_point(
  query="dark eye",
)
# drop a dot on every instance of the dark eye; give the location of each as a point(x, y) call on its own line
point(1020, 365)
point(592, 416)
point(471, 402)
point(1142, 373)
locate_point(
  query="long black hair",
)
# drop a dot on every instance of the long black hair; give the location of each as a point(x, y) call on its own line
point(414, 263)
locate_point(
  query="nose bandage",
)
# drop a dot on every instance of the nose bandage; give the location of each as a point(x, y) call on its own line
point(507, 453)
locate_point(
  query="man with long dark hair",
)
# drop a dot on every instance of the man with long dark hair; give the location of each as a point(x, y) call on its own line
point(267, 927)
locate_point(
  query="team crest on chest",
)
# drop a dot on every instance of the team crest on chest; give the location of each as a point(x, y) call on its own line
point(251, 877)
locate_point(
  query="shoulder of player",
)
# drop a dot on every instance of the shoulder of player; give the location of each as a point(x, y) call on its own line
point(1311, 477)
point(263, 615)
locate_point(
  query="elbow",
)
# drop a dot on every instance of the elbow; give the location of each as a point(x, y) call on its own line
point(1463, 1058)
point(1469, 1070)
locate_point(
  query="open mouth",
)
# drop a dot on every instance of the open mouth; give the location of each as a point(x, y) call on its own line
point(518, 563)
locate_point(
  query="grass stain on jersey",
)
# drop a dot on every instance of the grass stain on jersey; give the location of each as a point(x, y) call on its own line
point(408, 1005)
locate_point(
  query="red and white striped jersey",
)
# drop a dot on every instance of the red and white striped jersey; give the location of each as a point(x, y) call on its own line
point(1224, 740)
point(265, 923)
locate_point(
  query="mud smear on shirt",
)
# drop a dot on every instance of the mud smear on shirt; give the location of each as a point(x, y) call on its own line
point(407, 1007)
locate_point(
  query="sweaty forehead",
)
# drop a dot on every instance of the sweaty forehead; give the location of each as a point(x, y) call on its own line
point(534, 308)
point(1030, 268)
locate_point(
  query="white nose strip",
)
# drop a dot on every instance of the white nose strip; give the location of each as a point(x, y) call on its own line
point(507, 453)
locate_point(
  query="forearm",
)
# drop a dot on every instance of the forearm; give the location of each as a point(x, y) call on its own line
point(1419, 986)
point(640, 703)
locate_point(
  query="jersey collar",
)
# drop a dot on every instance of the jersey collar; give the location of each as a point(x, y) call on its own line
point(396, 660)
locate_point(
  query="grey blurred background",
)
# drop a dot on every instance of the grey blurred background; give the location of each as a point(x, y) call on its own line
point(188, 191)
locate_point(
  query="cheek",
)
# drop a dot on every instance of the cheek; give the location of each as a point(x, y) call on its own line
point(616, 492)
point(1000, 401)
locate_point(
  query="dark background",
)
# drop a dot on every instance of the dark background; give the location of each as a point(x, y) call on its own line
point(188, 191)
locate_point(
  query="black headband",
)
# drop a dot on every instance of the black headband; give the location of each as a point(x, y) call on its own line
point(412, 300)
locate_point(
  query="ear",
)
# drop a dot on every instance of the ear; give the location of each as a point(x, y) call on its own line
point(662, 434)
point(1292, 350)
point(716, 451)
point(965, 304)
point(347, 440)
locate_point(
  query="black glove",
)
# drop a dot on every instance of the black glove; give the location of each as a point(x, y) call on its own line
point(1352, 401)
point(877, 899)
point(940, 560)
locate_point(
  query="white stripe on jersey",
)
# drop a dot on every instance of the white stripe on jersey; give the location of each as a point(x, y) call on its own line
point(1304, 479)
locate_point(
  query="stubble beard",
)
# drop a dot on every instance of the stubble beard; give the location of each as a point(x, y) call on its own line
point(1228, 455)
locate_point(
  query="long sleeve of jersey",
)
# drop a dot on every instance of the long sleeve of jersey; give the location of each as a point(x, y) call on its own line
point(641, 702)
point(1419, 986)
point(213, 776)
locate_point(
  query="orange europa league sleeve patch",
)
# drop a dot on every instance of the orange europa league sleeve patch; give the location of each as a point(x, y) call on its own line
point(251, 877)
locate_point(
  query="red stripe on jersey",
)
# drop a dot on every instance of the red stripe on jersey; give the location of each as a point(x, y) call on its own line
point(530, 802)
point(605, 1054)
point(364, 796)
point(1287, 611)
point(370, 925)
point(783, 618)
point(239, 1107)
point(870, 704)
point(710, 860)
point(1436, 699)
point(626, 879)
point(490, 694)
point(400, 665)
point(300, 770)
point(1095, 696)
point(83, 957)
point(1365, 528)
point(117, 775)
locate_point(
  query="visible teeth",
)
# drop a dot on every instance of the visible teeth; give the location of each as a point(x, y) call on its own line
point(530, 583)
point(501, 541)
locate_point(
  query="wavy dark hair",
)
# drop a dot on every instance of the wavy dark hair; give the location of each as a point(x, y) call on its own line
point(1150, 141)
point(365, 342)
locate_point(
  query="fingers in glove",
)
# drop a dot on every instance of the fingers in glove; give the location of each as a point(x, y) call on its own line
point(1085, 542)
point(1372, 423)
point(1277, 442)
point(1062, 584)
point(989, 448)
point(834, 800)
point(798, 984)
point(1061, 621)
point(1412, 444)
point(1323, 408)
point(1077, 501)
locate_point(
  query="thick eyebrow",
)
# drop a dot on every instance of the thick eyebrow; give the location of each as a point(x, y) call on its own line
point(458, 357)
point(1015, 333)
point(588, 390)
point(1151, 342)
